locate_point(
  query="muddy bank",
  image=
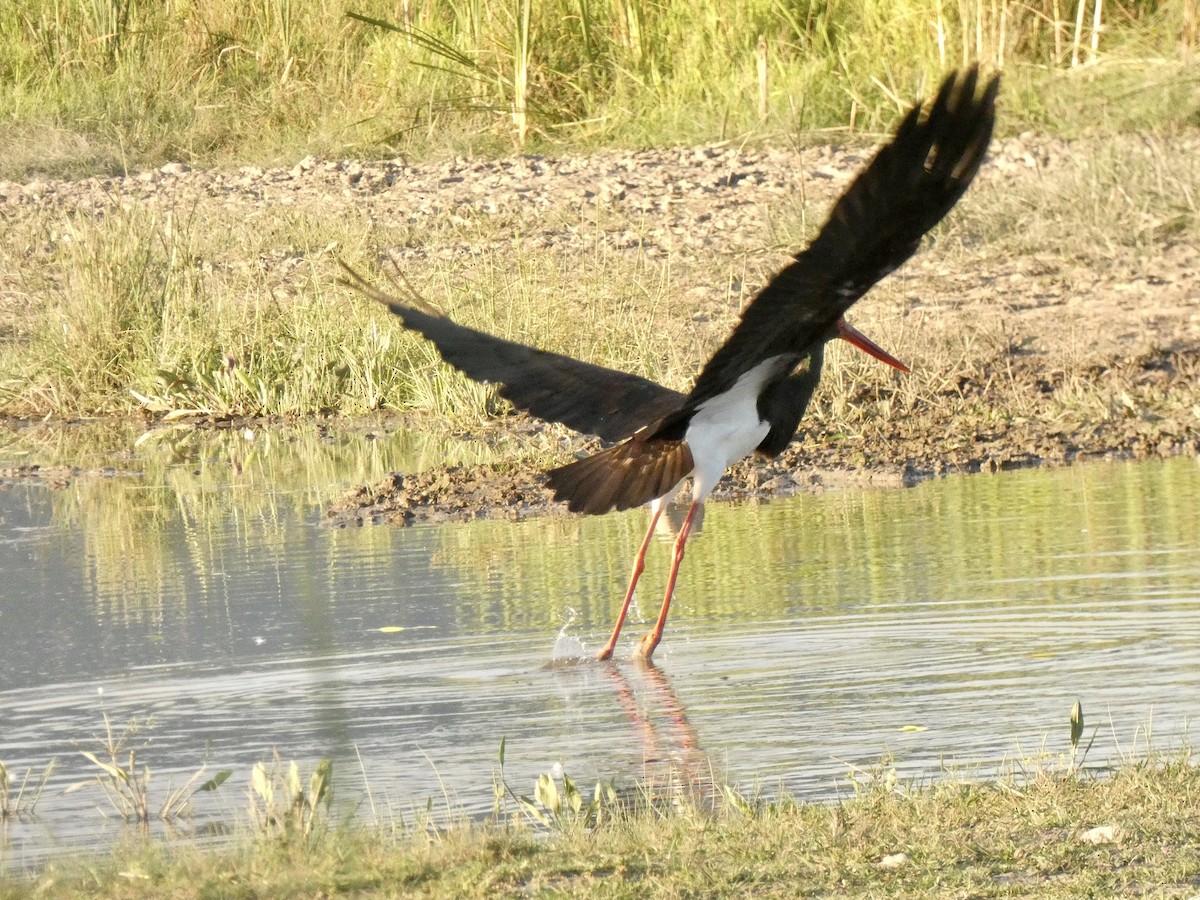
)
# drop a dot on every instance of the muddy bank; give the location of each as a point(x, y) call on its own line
point(1037, 358)
point(461, 494)
point(917, 447)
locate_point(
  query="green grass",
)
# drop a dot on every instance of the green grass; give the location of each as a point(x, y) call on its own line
point(133, 315)
point(139, 311)
point(1027, 834)
point(114, 85)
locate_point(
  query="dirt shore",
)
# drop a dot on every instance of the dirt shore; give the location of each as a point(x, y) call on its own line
point(1020, 357)
point(1133, 400)
point(1040, 359)
point(810, 464)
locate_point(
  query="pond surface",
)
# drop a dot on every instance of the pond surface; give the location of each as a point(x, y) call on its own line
point(953, 624)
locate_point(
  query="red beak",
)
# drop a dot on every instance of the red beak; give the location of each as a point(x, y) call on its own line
point(847, 332)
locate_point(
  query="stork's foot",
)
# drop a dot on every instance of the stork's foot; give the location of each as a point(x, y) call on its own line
point(647, 645)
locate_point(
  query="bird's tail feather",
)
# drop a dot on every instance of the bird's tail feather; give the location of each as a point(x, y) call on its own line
point(621, 477)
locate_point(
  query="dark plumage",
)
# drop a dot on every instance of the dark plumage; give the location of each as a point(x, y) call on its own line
point(874, 227)
point(755, 389)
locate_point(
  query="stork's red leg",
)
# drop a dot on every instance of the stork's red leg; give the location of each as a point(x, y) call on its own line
point(639, 563)
point(650, 640)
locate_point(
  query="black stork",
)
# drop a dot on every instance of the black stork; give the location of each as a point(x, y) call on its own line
point(752, 393)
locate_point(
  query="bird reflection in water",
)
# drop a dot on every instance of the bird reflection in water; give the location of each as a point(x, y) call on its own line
point(675, 769)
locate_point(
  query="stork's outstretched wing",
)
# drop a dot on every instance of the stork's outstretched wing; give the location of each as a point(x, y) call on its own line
point(588, 398)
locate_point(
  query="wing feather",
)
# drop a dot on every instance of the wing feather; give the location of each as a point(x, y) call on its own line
point(876, 225)
point(589, 398)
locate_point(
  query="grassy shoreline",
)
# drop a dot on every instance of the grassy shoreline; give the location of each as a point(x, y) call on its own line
point(1047, 830)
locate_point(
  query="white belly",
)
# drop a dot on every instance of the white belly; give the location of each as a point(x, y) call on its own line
point(726, 428)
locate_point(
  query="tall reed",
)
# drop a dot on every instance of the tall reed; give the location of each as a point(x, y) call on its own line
point(112, 85)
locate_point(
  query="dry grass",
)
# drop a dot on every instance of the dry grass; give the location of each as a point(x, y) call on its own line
point(112, 87)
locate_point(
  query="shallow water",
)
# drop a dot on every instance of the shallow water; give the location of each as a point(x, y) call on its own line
point(954, 623)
